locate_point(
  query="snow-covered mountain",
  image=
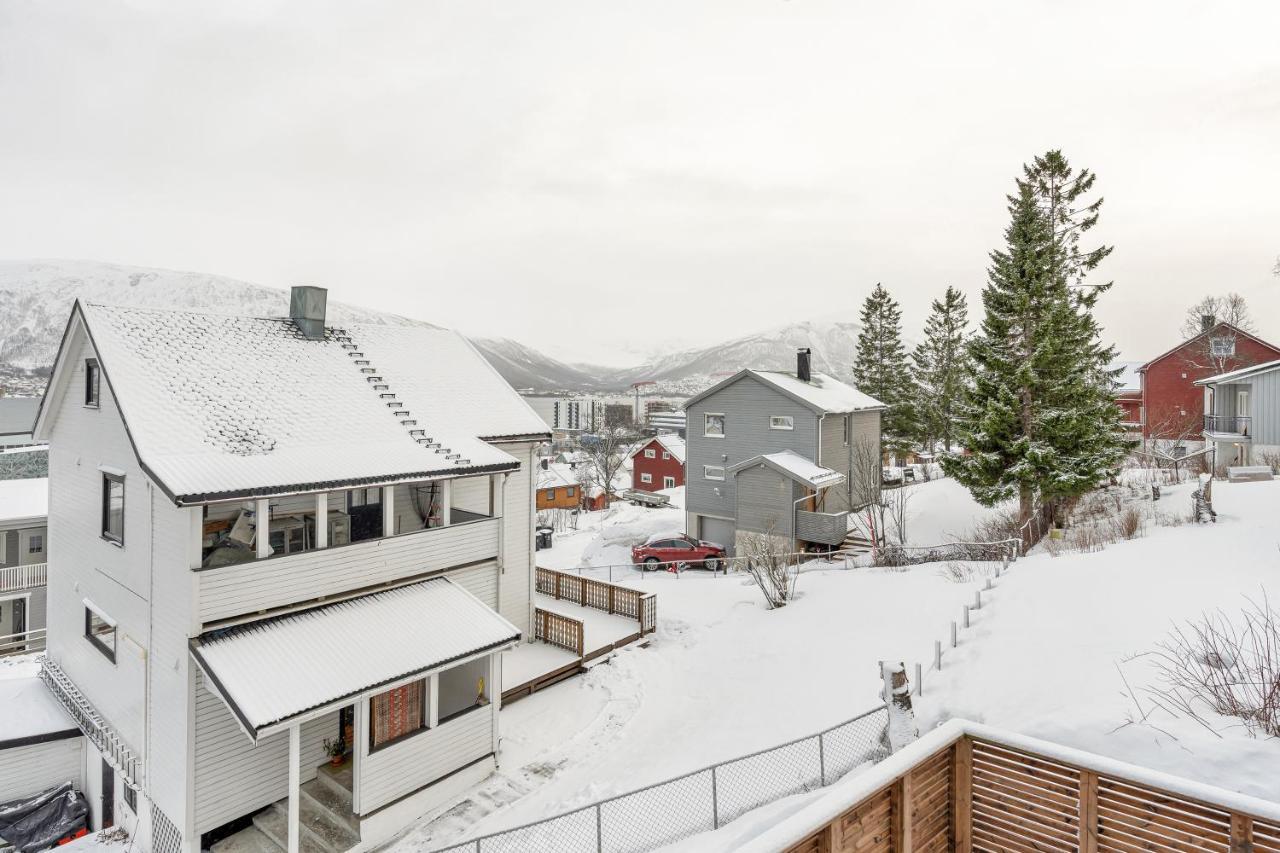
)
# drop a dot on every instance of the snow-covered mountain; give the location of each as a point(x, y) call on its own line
point(36, 296)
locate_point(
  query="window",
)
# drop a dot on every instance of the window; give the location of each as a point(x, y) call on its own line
point(650, 453)
point(398, 713)
point(463, 688)
point(781, 422)
point(646, 478)
point(92, 381)
point(713, 425)
point(713, 472)
point(35, 544)
point(668, 482)
point(551, 494)
point(665, 455)
point(1222, 347)
point(100, 632)
point(848, 430)
point(131, 799)
point(570, 491)
point(113, 508)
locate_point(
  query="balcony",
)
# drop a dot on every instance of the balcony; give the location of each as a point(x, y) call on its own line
point(1235, 426)
point(823, 528)
point(18, 578)
point(968, 787)
point(259, 586)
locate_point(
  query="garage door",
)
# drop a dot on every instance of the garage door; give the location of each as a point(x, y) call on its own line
point(717, 530)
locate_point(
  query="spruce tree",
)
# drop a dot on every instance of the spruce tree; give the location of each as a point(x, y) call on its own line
point(942, 368)
point(1040, 420)
point(881, 369)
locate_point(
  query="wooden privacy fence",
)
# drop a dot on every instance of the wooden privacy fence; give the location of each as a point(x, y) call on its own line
point(558, 630)
point(980, 793)
point(600, 595)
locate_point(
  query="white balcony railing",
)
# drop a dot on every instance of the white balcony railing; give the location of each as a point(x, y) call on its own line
point(257, 586)
point(21, 643)
point(16, 578)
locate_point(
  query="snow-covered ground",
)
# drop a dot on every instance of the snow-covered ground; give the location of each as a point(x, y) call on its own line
point(1051, 656)
point(940, 511)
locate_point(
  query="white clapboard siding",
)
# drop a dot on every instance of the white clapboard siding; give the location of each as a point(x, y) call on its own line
point(404, 767)
point(481, 581)
point(258, 585)
point(517, 577)
point(27, 770)
point(235, 777)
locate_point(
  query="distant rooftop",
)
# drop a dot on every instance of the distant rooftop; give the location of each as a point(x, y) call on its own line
point(18, 415)
point(24, 499)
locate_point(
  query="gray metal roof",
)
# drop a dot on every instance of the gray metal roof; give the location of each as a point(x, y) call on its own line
point(18, 415)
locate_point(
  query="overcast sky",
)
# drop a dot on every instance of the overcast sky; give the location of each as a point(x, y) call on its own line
point(608, 179)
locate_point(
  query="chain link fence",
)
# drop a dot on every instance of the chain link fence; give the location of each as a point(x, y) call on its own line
point(701, 801)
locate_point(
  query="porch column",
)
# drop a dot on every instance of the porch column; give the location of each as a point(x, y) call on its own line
point(322, 520)
point(494, 682)
point(388, 510)
point(499, 487)
point(262, 516)
point(295, 783)
point(433, 701)
point(446, 502)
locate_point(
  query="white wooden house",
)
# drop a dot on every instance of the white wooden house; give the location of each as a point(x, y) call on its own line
point(269, 533)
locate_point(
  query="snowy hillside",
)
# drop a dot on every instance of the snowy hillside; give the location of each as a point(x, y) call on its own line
point(525, 367)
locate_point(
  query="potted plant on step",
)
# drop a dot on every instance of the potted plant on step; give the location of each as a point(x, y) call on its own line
point(336, 750)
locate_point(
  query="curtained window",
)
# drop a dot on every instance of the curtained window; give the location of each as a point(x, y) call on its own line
point(397, 713)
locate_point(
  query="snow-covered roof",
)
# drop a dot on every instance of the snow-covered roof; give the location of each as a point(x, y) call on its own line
point(223, 407)
point(673, 444)
point(796, 467)
point(1130, 378)
point(1242, 373)
point(1221, 327)
point(822, 393)
point(31, 711)
point(24, 500)
point(271, 671)
point(557, 474)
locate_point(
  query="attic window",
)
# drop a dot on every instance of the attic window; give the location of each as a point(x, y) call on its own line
point(1222, 347)
point(713, 425)
point(92, 382)
point(781, 422)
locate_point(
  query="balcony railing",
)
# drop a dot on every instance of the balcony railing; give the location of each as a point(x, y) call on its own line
point(967, 787)
point(16, 578)
point(21, 643)
point(258, 586)
point(1241, 425)
point(826, 528)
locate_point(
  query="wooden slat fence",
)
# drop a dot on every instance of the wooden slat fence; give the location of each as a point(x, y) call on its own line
point(978, 795)
point(600, 595)
point(558, 630)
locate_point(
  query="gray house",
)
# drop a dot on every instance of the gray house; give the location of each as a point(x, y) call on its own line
point(1242, 415)
point(786, 454)
point(24, 508)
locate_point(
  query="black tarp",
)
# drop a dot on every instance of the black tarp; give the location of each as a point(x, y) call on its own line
point(37, 823)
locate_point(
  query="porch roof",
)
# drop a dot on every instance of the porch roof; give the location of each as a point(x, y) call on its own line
point(271, 672)
point(795, 466)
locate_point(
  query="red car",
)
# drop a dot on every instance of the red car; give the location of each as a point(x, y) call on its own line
point(678, 550)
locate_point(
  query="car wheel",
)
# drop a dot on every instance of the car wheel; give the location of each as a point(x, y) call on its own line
point(711, 563)
point(651, 564)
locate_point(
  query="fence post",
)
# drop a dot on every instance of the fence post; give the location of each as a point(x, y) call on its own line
point(715, 800)
point(1241, 833)
point(1088, 812)
point(953, 633)
point(966, 616)
point(559, 577)
point(937, 655)
point(919, 681)
point(599, 831)
point(962, 795)
point(977, 600)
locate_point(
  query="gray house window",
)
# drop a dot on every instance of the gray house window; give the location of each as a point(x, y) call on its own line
point(100, 632)
point(35, 544)
point(113, 508)
point(848, 430)
point(781, 422)
point(713, 425)
point(1222, 347)
point(92, 382)
point(713, 472)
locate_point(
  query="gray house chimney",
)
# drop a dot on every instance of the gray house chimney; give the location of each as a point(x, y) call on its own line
point(306, 308)
point(1207, 322)
point(802, 364)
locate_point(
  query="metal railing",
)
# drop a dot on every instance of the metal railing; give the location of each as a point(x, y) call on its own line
point(14, 578)
point(1228, 424)
point(95, 728)
point(22, 642)
point(702, 800)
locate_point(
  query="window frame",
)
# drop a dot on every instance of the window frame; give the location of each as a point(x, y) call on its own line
point(1222, 346)
point(92, 384)
point(668, 479)
point(666, 457)
point(646, 477)
point(790, 422)
point(107, 479)
point(36, 539)
point(650, 453)
point(95, 639)
point(424, 705)
point(551, 494)
point(706, 475)
point(706, 421)
point(570, 491)
point(848, 430)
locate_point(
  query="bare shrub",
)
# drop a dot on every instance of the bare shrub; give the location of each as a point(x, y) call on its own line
point(772, 570)
point(957, 572)
point(1228, 666)
point(1129, 523)
point(1272, 458)
point(997, 527)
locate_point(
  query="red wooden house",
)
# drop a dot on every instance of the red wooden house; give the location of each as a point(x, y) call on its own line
point(658, 464)
point(1172, 405)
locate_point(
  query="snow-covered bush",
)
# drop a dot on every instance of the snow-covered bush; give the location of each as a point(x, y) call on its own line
point(1223, 665)
point(1130, 522)
point(958, 572)
point(774, 572)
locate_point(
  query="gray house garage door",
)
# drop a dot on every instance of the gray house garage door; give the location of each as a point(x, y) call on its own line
point(717, 530)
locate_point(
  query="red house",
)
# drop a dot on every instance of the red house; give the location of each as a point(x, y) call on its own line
point(658, 464)
point(1172, 405)
point(1129, 395)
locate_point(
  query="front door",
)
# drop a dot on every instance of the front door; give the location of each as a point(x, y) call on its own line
point(1242, 412)
point(108, 796)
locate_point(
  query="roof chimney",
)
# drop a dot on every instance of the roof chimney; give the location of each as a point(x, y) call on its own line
point(306, 308)
point(1207, 322)
point(802, 364)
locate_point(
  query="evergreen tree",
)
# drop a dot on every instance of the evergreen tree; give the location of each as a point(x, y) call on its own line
point(881, 369)
point(942, 368)
point(1040, 420)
